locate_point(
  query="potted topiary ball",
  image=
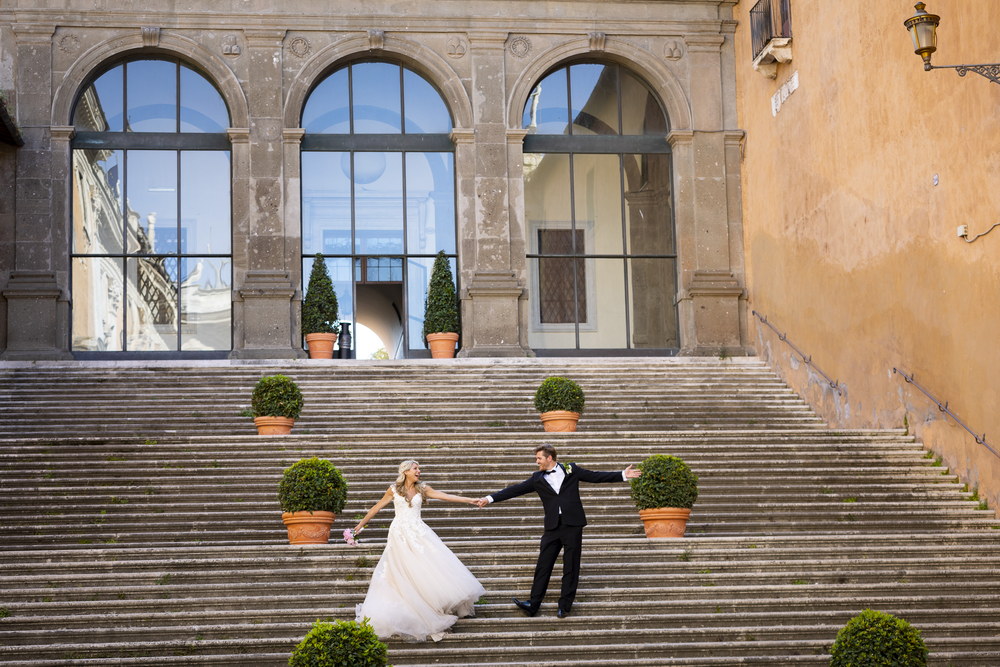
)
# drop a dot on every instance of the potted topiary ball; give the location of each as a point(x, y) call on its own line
point(560, 402)
point(320, 312)
point(441, 327)
point(664, 495)
point(340, 644)
point(311, 493)
point(275, 404)
point(878, 639)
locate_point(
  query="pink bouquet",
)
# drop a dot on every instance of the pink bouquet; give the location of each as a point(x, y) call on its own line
point(351, 537)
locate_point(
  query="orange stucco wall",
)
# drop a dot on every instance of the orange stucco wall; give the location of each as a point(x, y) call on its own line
point(852, 193)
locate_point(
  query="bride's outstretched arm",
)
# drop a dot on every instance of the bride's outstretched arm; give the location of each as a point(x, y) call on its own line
point(437, 495)
point(385, 500)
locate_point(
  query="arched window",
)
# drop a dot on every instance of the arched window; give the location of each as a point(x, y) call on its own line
point(378, 197)
point(151, 215)
point(599, 213)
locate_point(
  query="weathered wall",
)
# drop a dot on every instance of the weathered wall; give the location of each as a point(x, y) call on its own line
point(852, 193)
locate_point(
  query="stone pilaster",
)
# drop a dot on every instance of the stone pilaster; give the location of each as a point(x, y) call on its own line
point(711, 290)
point(491, 300)
point(37, 305)
point(266, 290)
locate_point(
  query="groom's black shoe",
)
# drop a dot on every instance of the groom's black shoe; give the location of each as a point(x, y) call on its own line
point(525, 607)
point(563, 613)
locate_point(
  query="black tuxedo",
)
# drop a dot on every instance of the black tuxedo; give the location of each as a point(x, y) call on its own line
point(564, 522)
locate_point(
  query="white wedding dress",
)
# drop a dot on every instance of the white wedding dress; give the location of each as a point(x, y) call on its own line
point(419, 588)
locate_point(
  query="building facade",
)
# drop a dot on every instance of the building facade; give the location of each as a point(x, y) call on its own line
point(578, 161)
point(860, 170)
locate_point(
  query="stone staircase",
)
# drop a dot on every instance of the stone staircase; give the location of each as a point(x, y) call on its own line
point(142, 526)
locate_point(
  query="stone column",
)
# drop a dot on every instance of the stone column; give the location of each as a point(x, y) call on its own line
point(36, 290)
point(265, 287)
point(711, 287)
point(491, 308)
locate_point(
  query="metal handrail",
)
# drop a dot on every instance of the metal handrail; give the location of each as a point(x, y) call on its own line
point(806, 358)
point(943, 407)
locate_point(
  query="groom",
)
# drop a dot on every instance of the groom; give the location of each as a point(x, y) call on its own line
point(558, 486)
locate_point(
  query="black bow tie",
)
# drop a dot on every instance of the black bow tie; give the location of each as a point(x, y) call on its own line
point(549, 472)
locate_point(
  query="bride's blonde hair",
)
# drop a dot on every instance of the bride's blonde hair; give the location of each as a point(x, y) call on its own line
point(401, 479)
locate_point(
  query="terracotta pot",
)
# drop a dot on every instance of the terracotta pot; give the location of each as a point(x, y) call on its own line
point(320, 345)
point(308, 527)
point(442, 345)
point(665, 521)
point(273, 425)
point(560, 421)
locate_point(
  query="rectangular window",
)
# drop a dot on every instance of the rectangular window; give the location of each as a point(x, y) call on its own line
point(769, 19)
point(559, 279)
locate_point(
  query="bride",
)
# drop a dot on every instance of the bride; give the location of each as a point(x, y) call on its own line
point(419, 587)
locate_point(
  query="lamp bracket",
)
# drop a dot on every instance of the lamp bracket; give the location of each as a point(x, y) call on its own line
point(990, 71)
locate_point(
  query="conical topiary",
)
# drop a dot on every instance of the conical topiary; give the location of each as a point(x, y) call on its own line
point(319, 309)
point(441, 306)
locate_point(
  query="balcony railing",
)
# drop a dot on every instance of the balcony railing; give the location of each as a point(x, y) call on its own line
point(769, 19)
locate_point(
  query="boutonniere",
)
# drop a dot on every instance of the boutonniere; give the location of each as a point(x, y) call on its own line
point(569, 468)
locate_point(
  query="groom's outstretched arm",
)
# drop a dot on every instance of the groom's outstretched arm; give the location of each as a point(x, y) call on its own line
point(527, 486)
point(596, 477)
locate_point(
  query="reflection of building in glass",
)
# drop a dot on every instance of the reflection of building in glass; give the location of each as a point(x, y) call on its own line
point(133, 287)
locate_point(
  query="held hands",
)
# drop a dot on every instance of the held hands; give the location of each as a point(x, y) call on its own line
point(632, 473)
point(480, 502)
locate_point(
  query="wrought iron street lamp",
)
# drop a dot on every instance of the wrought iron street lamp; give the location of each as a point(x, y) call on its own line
point(923, 30)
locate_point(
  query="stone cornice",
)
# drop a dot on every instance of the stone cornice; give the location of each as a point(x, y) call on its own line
point(264, 37)
point(680, 138)
point(62, 132)
point(33, 33)
point(239, 135)
point(516, 136)
point(462, 135)
point(292, 135)
point(705, 43)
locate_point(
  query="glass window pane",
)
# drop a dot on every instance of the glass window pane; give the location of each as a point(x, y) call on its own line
point(560, 301)
point(594, 104)
point(151, 303)
point(430, 203)
point(550, 335)
point(641, 113)
point(151, 95)
point(376, 98)
point(328, 107)
point(97, 201)
point(100, 108)
point(378, 207)
point(418, 279)
point(598, 194)
point(206, 303)
point(339, 269)
point(546, 193)
point(151, 194)
point(202, 107)
point(425, 110)
point(547, 108)
point(649, 220)
point(98, 304)
point(205, 202)
point(605, 326)
point(326, 203)
point(652, 282)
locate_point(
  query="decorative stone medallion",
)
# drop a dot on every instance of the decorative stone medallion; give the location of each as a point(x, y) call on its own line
point(520, 46)
point(300, 47)
point(673, 50)
point(457, 47)
point(69, 43)
point(230, 46)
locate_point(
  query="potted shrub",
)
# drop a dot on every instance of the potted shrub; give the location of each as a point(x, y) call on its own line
point(320, 312)
point(560, 402)
point(340, 644)
point(877, 638)
point(275, 404)
point(664, 495)
point(311, 493)
point(441, 328)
